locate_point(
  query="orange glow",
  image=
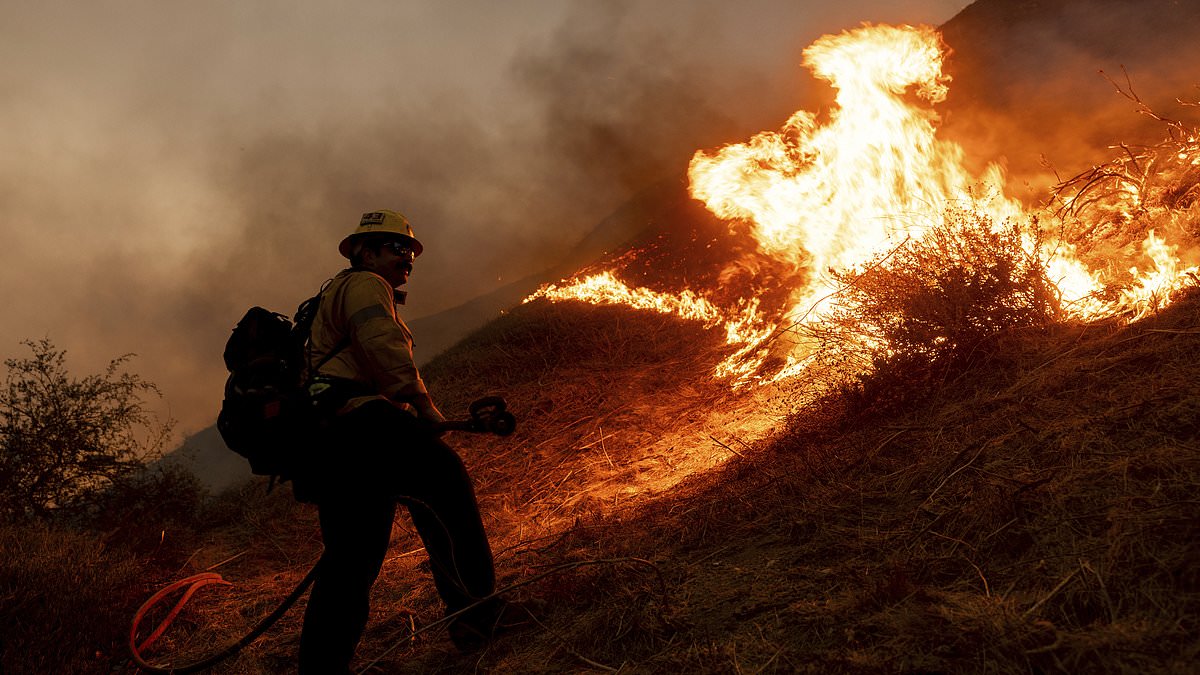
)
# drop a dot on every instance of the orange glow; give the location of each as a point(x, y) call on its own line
point(831, 195)
point(1151, 290)
point(604, 288)
point(834, 192)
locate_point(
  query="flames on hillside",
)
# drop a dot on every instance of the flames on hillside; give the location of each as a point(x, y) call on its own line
point(835, 193)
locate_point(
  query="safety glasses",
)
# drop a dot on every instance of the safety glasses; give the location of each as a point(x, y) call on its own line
point(400, 249)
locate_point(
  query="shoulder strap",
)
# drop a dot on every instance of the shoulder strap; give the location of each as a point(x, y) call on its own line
point(302, 323)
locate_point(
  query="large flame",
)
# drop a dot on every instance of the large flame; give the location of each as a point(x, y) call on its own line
point(834, 193)
point(831, 195)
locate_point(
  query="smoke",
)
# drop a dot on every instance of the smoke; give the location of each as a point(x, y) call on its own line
point(166, 166)
point(1028, 90)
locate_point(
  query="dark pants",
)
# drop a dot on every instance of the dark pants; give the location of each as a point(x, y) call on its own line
point(378, 456)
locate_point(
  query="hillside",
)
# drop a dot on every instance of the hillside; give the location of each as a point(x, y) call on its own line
point(1024, 504)
point(1035, 513)
point(1031, 80)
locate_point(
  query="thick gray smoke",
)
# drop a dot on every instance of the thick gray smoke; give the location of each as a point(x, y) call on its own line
point(165, 166)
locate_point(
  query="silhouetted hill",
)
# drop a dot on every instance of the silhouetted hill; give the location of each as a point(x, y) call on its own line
point(204, 454)
point(1027, 86)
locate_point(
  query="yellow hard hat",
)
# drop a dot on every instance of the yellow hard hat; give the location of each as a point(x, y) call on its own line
point(390, 222)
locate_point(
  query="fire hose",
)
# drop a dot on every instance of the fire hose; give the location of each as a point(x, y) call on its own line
point(194, 583)
point(488, 415)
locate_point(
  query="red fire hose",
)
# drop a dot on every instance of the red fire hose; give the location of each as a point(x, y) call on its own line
point(193, 584)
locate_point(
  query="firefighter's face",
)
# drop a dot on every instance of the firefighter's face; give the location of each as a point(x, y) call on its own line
point(392, 260)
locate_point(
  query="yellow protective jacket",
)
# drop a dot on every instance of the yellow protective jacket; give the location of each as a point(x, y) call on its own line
point(358, 314)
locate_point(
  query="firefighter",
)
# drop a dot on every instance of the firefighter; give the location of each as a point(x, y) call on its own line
point(380, 449)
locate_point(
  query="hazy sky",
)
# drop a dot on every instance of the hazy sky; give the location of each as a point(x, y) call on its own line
point(166, 164)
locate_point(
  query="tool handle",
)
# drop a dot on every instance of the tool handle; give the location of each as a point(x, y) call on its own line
point(457, 425)
point(500, 424)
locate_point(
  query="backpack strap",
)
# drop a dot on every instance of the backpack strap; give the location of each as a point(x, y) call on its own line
point(302, 323)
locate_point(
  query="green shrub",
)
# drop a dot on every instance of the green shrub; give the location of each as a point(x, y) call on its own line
point(65, 440)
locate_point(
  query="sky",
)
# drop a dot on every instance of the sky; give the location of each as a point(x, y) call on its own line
point(164, 165)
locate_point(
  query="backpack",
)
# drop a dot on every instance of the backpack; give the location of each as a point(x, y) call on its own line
point(266, 415)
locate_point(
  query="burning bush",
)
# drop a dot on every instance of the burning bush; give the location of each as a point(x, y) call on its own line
point(829, 192)
point(1140, 183)
point(930, 305)
point(1143, 204)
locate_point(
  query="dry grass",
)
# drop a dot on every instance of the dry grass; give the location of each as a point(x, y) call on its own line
point(599, 392)
point(1030, 509)
point(65, 598)
point(1039, 515)
point(1034, 514)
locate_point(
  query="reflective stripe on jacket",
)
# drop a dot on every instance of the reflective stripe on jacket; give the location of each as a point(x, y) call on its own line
point(379, 355)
